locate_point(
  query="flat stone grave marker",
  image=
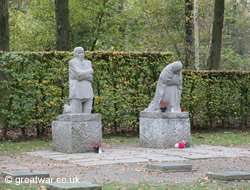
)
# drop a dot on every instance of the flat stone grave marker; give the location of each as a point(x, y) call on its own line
point(229, 176)
point(170, 167)
point(69, 186)
point(26, 174)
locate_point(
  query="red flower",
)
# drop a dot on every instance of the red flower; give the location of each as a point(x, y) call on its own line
point(181, 145)
point(96, 144)
point(164, 104)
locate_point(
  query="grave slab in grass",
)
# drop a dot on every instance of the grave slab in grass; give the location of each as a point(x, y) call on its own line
point(26, 174)
point(229, 176)
point(71, 186)
point(171, 167)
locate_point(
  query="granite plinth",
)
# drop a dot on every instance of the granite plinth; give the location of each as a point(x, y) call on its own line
point(69, 186)
point(79, 117)
point(26, 174)
point(170, 167)
point(164, 115)
point(74, 133)
point(229, 176)
point(163, 129)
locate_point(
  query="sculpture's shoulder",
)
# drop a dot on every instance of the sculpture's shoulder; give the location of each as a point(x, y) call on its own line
point(72, 61)
point(166, 71)
point(87, 62)
point(167, 68)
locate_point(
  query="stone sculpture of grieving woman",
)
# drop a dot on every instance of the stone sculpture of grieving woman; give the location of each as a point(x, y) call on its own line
point(168, 89)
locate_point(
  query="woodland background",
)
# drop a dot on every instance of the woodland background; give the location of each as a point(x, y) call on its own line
point(132, 25)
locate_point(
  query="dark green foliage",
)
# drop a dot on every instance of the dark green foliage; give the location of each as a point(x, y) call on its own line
point(125, 25)
point(35, 88)
point(216, 98)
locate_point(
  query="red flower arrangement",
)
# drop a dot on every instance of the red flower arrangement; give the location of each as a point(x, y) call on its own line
point(96, 146)
point(164, 105)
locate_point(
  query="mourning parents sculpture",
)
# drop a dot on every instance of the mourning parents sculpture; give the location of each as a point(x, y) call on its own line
point(80, 84)
point(165, 129)
point(168, 88)
point(76, 129)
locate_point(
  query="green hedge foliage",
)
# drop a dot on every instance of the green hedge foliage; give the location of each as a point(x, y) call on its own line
point(34, 88)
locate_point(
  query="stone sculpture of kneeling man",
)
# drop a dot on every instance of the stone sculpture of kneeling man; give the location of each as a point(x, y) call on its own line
point(80, 84)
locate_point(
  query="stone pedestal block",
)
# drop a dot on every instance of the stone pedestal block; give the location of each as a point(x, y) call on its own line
point(163, 129)
point(74, 133)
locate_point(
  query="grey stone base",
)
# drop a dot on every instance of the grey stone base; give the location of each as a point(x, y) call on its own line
point(69, 186)
point(26, 174)
point(163, 130)
point(74, 133)
point(229, 176)
point(170, 167)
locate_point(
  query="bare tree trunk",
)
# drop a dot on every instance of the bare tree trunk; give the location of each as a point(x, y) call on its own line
point(4, 46)
point(188, 32)
point(62, 25)
point(4, 26)
point(213, 61)
point(196, 36)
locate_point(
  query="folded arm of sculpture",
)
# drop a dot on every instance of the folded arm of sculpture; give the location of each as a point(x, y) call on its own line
point(168, 89)
point(80, 84)
point(77, 74)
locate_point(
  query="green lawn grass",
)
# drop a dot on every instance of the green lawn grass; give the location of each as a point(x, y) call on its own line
point(224, 138)
point(198, 185)
point(217, 137)
point(120, 140)
point(161, 185)
point(13, 148)
point(4, 186)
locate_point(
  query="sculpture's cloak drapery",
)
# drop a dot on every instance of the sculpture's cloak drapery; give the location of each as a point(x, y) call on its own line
point(80, 77)
point(168, 88)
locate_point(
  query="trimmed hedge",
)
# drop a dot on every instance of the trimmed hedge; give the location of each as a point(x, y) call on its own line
point(217, 98)
point(34, 88)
